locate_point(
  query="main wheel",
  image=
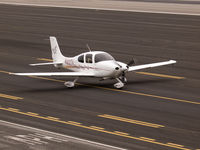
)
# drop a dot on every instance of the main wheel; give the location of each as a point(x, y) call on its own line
point(69, 84)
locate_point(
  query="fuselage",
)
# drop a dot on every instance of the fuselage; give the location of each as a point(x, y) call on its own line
point(100, 63)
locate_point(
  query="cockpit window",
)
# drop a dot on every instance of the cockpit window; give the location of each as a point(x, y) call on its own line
point(89, 58)
point(81, 58)
point(103, 57)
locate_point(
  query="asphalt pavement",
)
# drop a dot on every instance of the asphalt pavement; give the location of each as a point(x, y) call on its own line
point(157, 109)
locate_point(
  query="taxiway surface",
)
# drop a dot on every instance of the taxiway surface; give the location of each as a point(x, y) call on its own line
point(153, 111)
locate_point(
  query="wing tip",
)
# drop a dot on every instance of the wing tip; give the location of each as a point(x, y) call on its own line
point(32, 65)
point(173, 61)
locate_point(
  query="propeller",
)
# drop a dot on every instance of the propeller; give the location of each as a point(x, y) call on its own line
point(125, 68)
point(131, 62)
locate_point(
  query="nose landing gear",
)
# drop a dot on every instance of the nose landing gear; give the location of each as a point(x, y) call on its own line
point(119, 84)
point(123, 79)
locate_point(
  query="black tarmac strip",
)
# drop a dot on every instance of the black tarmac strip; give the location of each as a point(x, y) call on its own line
point(151, 112)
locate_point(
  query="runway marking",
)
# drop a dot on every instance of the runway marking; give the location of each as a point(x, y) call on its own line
point(122, 91)
point(44, 78)
point(13, 109)
point(32, 114)
point(101, 8)
point(160, 75)
point(53, 118)
point(122, 133)
point(2, 71)
point(145, 138)
point(144, 73)
point(175, 144)
point(45, 59)
point(100, 128)
point(118, 133)
point(131, 121)
point(52, 136)
point(73, 122)
point(10, 97)
point(143, 94)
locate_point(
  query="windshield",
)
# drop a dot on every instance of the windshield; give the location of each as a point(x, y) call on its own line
point(103, 57)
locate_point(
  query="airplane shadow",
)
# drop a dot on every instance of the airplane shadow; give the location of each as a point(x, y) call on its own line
point(86, 85)
point(149, 81)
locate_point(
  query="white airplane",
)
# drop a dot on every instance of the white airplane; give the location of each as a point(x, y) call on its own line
point(96, 64)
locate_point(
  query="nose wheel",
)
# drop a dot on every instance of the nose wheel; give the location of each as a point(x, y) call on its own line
point(123, 79)
point(119, 84)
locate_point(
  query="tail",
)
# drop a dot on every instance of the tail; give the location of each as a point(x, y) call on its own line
point(56, 53)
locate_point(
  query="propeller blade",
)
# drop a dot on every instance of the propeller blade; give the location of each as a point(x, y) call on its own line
point(131, 62)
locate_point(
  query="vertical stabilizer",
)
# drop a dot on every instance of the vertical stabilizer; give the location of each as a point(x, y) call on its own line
point(56, 53)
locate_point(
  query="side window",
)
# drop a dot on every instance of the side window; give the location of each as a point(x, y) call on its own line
point(81, 58)
point(89, 58)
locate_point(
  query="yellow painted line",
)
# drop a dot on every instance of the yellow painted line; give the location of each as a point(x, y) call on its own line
point(131, 121)
point(44, 59)
point(175, 144)
point(123, 133)
point(4, 71)
point(149, 139)
point(160, 75)
point(10, 97)
point(13, 109)
point(97, 127)
point(118, 133)
point(31, 113)
point(54, 118)
point(73, 122)
point(143, 94)
point(46, 79)
point(124, 91)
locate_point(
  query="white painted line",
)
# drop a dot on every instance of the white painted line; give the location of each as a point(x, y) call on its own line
point(100, 8)
point(48, 137)
point(20, 140)
point(23, 127)
point(34, 141)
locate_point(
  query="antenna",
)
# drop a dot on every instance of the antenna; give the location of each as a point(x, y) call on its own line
point(88, 47)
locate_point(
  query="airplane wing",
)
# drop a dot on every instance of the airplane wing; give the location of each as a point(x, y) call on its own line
point(133, 68)
point(70, 74)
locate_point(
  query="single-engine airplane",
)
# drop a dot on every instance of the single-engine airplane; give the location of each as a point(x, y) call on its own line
point(97, 64)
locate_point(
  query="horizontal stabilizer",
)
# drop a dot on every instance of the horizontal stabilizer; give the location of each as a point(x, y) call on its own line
point(133, 68)
point(50, 63)
point(72, 74)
